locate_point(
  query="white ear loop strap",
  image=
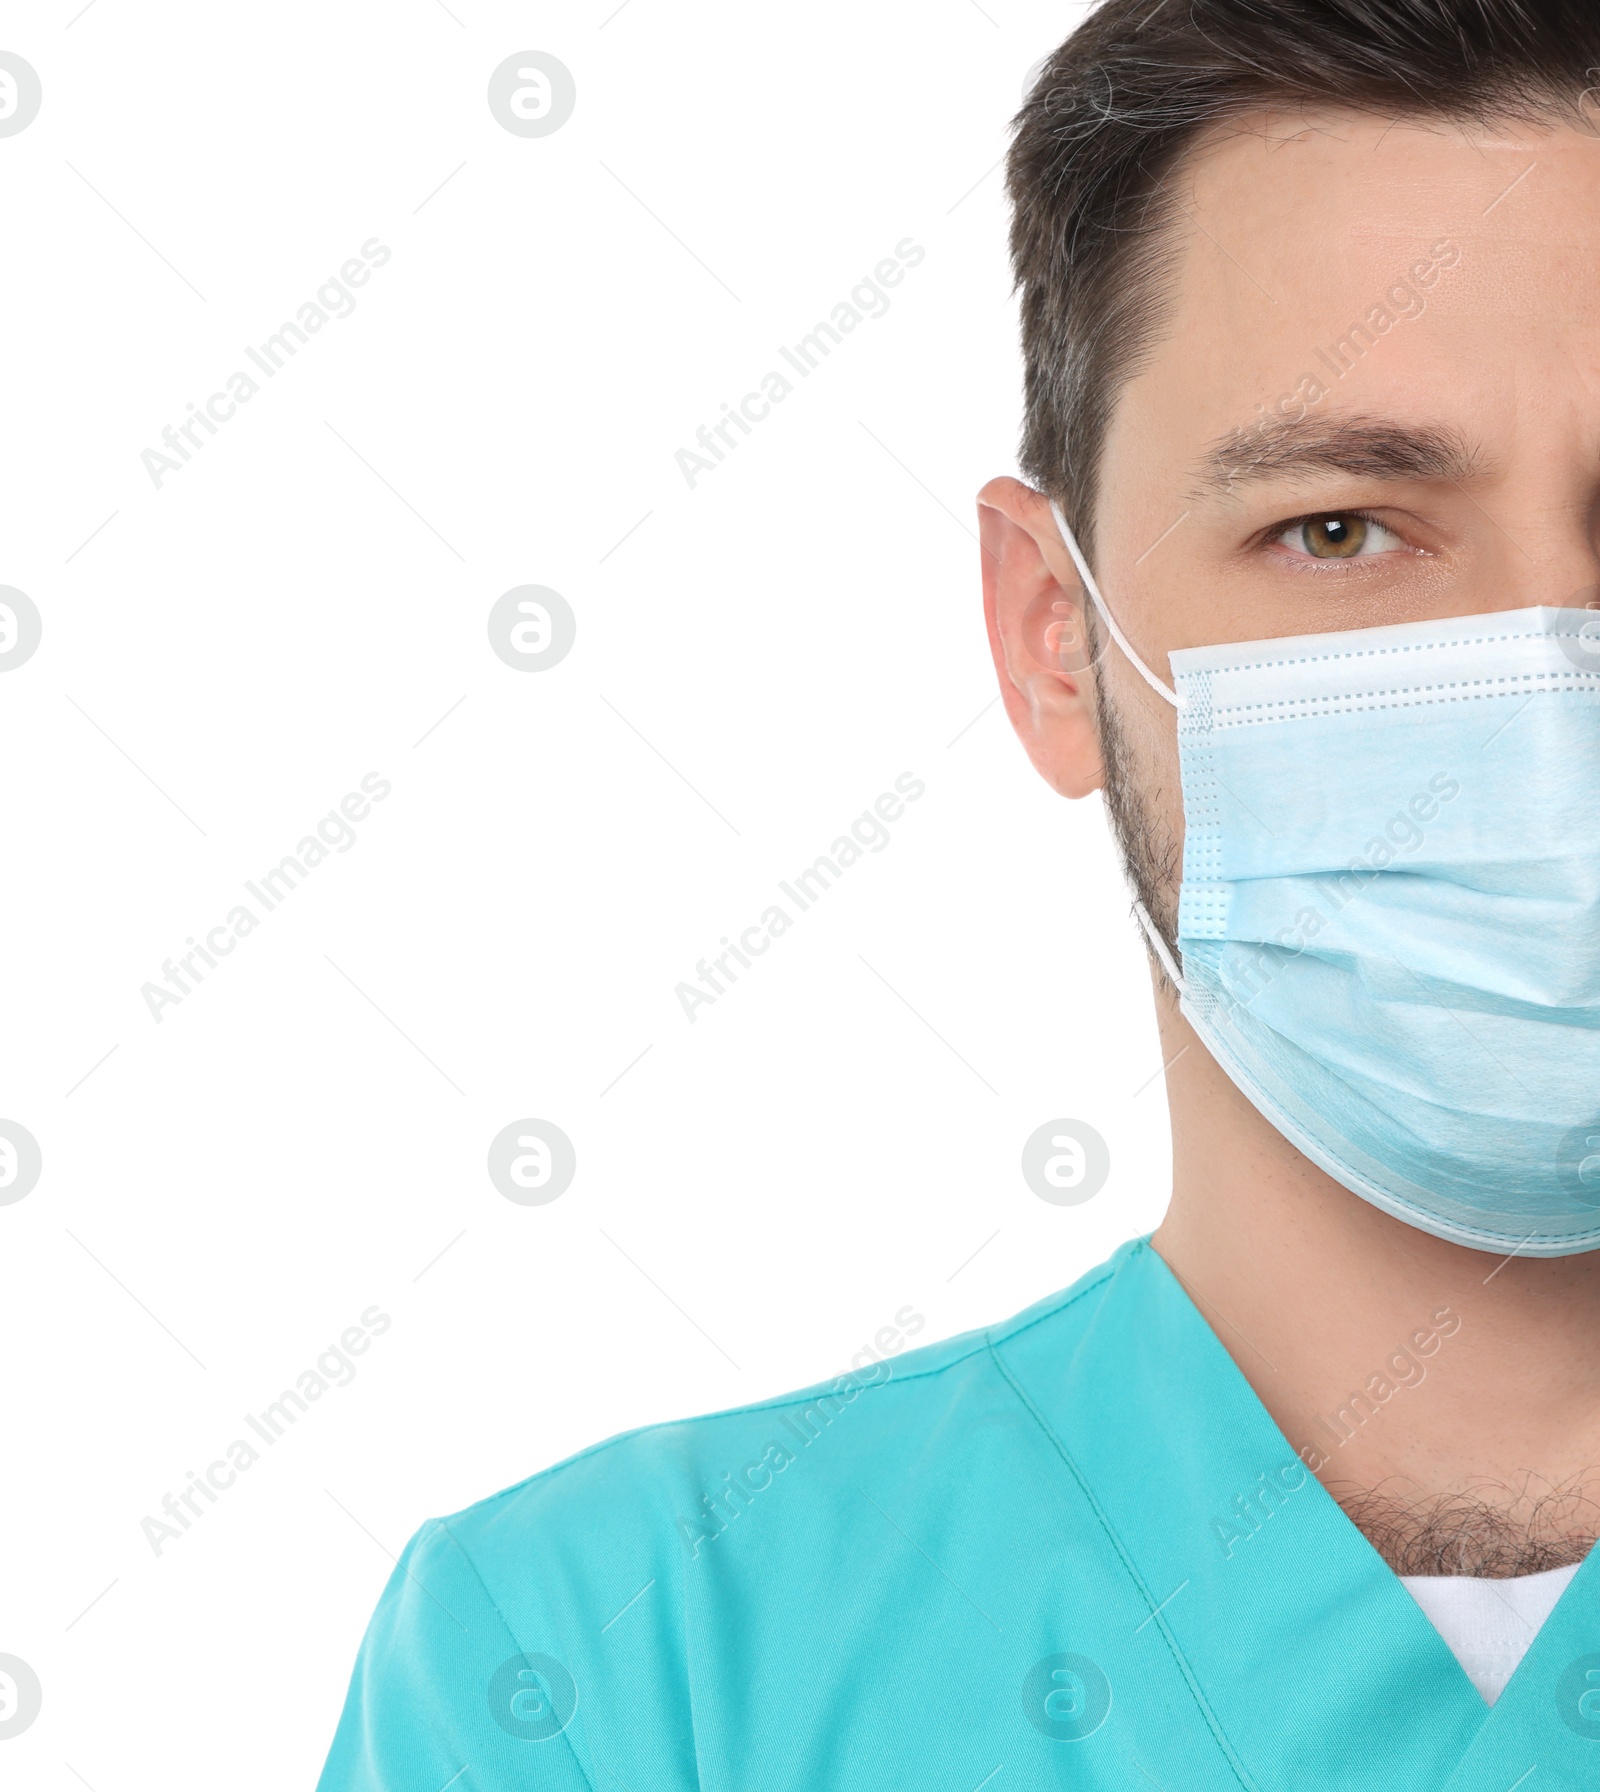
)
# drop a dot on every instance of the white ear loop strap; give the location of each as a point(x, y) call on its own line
point(1151, 932)
point(1157, 685)
point(1159, 947)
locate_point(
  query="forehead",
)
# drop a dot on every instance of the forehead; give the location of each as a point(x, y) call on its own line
point(1464, 259)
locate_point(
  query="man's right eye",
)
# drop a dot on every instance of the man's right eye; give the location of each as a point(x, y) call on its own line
point(1339, 535)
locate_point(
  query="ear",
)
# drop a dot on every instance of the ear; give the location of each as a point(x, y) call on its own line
point(1037, 636)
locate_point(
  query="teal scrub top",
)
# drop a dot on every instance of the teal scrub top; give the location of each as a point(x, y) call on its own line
point(1070, 1550)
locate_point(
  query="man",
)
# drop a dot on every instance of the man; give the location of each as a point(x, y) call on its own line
point(1291, 1494)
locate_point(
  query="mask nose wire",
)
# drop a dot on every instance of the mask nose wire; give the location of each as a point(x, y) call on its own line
point(1159, 686)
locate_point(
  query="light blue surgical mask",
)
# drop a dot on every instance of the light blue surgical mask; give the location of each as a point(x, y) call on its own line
point(1389, 926)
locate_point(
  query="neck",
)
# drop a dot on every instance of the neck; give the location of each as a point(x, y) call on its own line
point(1444, 1396)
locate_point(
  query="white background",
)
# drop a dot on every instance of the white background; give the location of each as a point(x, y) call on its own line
point(757, 658)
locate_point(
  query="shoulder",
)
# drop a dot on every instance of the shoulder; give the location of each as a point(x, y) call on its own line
point(641, 1581)
point(691, 1478)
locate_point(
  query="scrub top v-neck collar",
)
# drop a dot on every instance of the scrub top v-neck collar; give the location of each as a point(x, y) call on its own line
point(1312, 1664)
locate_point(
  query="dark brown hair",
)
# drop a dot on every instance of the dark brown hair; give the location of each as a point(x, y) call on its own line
point(1117, 106)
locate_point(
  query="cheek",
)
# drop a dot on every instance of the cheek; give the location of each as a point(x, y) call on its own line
point(1144, 798)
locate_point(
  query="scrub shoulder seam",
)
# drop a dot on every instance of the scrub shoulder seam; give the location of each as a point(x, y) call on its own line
point(998, 1335)
point(979, 1346)
point(441, 1526)
point(1130, 1567)
point(981, 1343)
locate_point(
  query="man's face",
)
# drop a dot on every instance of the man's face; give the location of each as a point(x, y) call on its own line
point(1376, 399)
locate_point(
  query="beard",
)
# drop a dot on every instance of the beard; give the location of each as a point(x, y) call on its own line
point(1152, 857)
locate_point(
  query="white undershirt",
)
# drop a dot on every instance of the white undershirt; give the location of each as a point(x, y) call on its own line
point(1488, 1623)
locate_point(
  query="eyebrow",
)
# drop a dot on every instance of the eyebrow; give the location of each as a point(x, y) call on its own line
point(1366, 447)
